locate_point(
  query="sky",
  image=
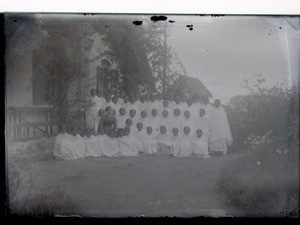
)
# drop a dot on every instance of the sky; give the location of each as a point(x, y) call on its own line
point(223, 51)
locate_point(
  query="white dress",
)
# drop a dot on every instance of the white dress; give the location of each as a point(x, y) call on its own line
point(91, 146)
point(111, 147)
point(166, 121)
point(135, 144)
point(164, 143)
point(125, 148)
point(185, 146)
point(203, 124)
point(78, 146)
point(187, 123)
point(220, 134)
point(63, 147)
point(150, 144)
point(121, 121)
point(200, 147)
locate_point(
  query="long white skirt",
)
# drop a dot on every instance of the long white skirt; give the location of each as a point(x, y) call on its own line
point(125, 149)
point(200, 149)
point(111, 147)
point(92, 147)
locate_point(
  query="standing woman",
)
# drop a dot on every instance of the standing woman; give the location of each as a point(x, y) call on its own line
point(220, 134)
point(108, 121)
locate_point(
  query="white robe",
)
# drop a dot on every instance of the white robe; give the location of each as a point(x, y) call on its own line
point(91, 146)
point(185, 146)
point(63, 148)
point(125, 148)
point(121, 121)
point(135, 144)
point(200, 147)
point(164, 143)
point(219, 126)
point(78, 146)
point(150, 144)
point(203, 124)
point(111, 147)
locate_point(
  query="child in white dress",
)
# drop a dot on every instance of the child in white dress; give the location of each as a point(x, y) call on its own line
point(164, 141)
point(150, 144)
point(185, 143)
point(133, 117)
point(91, 144)
point(200, 145)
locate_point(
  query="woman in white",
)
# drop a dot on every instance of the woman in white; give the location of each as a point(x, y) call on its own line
point(200, 145)
point(166, 121)
point(185, 146)
point(91, 145)
point(176, 119)
point(144, 119)
point(100, 100)
point(150, 143)
point(121, 118)
point(154, 122)
point(135, 144)
point(220, 134)
point(63, 146)
point(164, 143)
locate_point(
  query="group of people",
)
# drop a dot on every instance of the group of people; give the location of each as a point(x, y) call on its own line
point(127, 126)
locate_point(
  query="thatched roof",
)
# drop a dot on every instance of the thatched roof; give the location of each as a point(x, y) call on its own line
point(184, 85)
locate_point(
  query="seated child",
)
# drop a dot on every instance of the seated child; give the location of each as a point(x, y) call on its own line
point(78, 146)
point(200, 145)
point(185, 146)
point(135, 145)
point(111, 147)
point(175, 142)
point(150, 144)
point(124, 145)
point(62, 147)
point(91, 145)
point(164, 141)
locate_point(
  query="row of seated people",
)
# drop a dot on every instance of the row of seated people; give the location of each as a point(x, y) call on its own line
point(129, 141)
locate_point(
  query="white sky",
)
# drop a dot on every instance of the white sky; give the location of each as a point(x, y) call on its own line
point(222, 51)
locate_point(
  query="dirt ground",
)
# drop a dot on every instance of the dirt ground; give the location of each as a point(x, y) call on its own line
point(147, 185)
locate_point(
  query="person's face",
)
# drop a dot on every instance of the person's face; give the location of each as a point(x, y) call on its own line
point(159, 96)
point(163, 129)
point(101, 113)
point(165, 113)
point(149, 130)
point(125, 99)
point(152, 98)
point(122, 111)
point(187, 114)
point(115, 100)
point(132, 113)
point(111, 134)
point(142, 99)
point(93, 92)
point(189, 102)
point(217, 103)
point(88, 133)
point(128, 123)
point(165, 103)
point(63, 130)
point(108, 98)
point(186, 130)
point(120, 133)
point(199, 133)
point(154, 112)
point(178, 100)
point(101, 131)
point(201, 112)
point(99, 93)
point(74, 132)
point(176, 112)
point(143, 114)
point(139, 126)
point(175, 132)
point(110, 92)
point(205, 100)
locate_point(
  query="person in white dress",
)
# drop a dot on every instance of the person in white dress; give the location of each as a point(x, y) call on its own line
point(185, 143)
point(91, 145)
point(220, 133)
point(175, 142)
point(144, 119)
point(164, 143)
point(150, 143)
point(202, 122)
point(154, 121)
point(187, 121)
point(135, 145)
point(200, 145)
point(133, 117)
point(125, 149)
point(121, 118)
point(62, 145)
point(111, 147)
point(166, 121)
point(176, 119)
point(125, 105)
point(92, 110)
point(78, 146)
point(177, 104)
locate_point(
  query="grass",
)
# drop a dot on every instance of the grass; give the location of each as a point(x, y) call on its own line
point(263, 183)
